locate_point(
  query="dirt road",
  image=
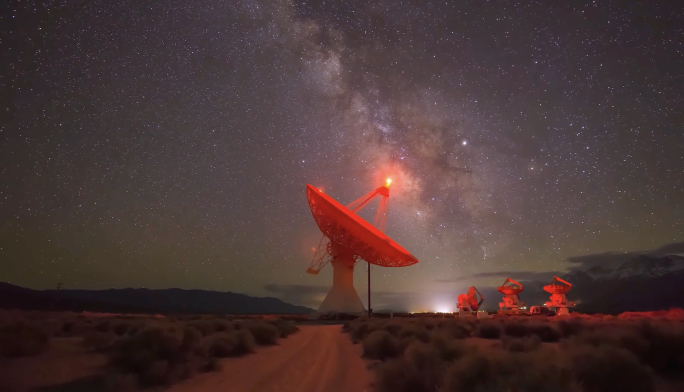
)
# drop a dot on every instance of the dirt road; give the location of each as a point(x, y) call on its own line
point(316, 359)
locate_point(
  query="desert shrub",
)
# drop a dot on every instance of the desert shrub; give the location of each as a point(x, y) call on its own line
point(155, 356)
point(134, 328)
point(21, 339)
point(658, 345)
point(418, 370)
point(570, 328)
point(230, 344)
point(545, 332)
point(517, 329)
point(489, 330)
point(457, 329)
point(607, 368)
point(191, 338)
point(449, 349)
point(67, 327)
point(265, 334)
point(411, 331)
point(381, 345)
point(535, 371)
point(205, 327)
point(392, 327)
point(97, 341)
point(361, 329)
point(221, 326)
point(521, 345)
point(120, 329)
point(102, 326)
point(285, 328)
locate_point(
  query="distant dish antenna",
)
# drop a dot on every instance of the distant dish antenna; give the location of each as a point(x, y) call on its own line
point(469, 302)
point(511, 302)
point(558, 288)
point(348, 239)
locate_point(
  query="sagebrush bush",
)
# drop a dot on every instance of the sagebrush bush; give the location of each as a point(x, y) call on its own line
point(205, 327)
point(230, 344)
point(418, 370)
point(516, 329)
point(448, 348)
point(120, 329)
point(102, 326)
point(608, 368)
point(661, 346)
point(545, 332)
point(521, 345)
point(413, 331)
point(222, 326)
point(98, 341)
point(489, 330)
point(570, 328)
point(505, 371)
point(285, 328)
point(381, 345)
point(265, 334)
point(150, 354)
point(21, 339)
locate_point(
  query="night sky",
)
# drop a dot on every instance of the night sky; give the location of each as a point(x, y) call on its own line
point(168, 143)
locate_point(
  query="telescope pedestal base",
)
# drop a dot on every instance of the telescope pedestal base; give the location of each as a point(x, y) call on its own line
point(342, 297)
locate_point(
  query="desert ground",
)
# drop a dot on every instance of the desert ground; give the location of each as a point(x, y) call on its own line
point(44, 351)
point(318, 358)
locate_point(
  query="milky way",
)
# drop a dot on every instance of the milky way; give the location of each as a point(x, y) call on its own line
point(168, 144)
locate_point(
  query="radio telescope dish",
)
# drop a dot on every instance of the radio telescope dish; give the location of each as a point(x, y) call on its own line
point(469, 302)
point(347, 239)
point(511, 302)
point(558, 288)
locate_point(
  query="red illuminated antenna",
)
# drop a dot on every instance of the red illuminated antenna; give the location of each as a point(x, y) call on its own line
point(511, 302)
point(558, 288)
point(347, 239)
point(469, 302)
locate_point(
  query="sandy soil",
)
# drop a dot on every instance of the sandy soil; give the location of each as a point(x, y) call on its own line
point(317, 358)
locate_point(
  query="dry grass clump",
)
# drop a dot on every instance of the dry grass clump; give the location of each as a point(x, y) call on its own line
point(171, 352)
point(544, 330)
point(155, 357)
point(521, 345)
point(22, 339)
point(608, 368)
point(235, 344)
point(594, 354)
point(381, 345)
point(98, 341)
point(265, 334)
point(506, 371)
point(489, 330)
point(285, 328)
point(418, 370)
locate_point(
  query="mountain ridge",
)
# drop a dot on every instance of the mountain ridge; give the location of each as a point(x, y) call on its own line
point(143, 300)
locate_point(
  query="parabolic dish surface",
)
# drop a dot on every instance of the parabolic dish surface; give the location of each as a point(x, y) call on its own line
point(508, 290)
point(346, 228)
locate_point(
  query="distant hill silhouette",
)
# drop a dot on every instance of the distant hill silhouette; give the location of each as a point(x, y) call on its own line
point(143, 301)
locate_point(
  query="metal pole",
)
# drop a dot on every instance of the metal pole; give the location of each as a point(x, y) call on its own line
point(370, 311)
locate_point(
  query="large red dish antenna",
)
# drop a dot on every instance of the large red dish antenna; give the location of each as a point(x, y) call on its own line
point(347, 229)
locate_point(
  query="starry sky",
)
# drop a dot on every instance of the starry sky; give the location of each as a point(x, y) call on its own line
point(168, 143)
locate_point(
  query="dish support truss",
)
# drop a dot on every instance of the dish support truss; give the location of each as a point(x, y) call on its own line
point(324, 253)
